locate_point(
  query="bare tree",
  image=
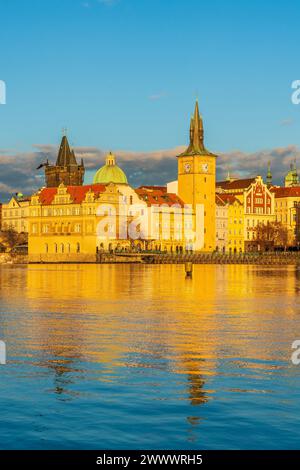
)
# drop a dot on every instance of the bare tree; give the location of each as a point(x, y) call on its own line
point(10, 238)
point(272, 234)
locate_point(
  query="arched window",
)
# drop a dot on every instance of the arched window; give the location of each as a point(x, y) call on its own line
point(46, 248)
point(78, 248)
point(62, 248)
point(55, 247)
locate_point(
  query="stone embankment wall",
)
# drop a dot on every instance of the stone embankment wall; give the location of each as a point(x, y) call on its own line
point(245, 258)
point(265, 259)
point(62, 258)
point(7, 258)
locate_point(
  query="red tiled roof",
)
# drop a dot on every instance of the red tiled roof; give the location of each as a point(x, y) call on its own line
point(77, 193)
point(293, 191)
point(236, 184)
point(223, 198)
point(158, 196)
point(150, 188)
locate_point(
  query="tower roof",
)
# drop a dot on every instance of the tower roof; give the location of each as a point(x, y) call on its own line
point(196, 146)
point(269, 175)
point(66, 156)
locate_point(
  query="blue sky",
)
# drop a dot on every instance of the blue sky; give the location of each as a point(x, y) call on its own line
point(124, 74)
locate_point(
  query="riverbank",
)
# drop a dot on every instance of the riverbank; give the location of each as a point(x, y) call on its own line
point(286, 258)
point(8, 258)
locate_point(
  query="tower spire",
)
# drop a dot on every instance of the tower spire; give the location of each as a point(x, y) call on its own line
point(66, 169)
point(295, 174)
point(192, 129)
point(196, 133)
point(196, 145)
point(269, 174)
point(65, 155)
point(195, 141)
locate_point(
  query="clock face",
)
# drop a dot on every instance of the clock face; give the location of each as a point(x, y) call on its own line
point(187, 167)
point(205, 167)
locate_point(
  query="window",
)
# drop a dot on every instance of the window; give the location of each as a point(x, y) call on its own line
point(78, 248)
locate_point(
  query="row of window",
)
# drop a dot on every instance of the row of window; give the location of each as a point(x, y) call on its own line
point(254, 223)
point(56, 229)
point(258, 210)
point(13, 213)
point(62, 248)
point(285, 218)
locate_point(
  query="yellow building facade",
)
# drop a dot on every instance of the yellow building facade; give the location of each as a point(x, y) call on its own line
point(76, 223)
point(258, 205)
point(15, 214)
point(230, 224)
point(285, 209)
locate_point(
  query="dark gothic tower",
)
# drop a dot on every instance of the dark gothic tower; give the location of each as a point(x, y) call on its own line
point(66, 170)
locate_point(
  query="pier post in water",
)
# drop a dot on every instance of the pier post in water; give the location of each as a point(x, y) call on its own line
point(189, 269)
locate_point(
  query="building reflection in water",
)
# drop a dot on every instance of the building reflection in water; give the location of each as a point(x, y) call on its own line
point(111, 322)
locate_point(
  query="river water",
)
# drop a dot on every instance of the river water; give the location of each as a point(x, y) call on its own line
point(134, 356)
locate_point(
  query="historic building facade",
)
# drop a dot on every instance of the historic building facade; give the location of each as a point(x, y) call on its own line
point(197, 180)
point(258, 205)
point(221, 224)
point(286, 203)
point(15, 214)
point(74, 223)
point(230, 224)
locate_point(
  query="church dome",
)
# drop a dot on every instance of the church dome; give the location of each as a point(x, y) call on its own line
point(292, 178)
point(110, 172)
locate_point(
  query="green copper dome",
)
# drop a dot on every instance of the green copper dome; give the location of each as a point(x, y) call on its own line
point(292, 178)
point(110, 172)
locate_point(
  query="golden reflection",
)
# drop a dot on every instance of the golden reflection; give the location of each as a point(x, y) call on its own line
point(125, 317)
point(145, 309)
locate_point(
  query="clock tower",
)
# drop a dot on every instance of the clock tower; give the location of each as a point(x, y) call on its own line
point(197, 179)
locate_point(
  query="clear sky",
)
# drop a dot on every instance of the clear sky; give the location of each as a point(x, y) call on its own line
point(124, 74)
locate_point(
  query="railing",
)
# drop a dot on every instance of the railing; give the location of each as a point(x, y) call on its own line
point(202, 258)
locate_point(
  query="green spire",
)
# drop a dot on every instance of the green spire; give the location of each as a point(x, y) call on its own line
point(196, 146)
point(269, 175)
point(197, 140)
point(295, 174)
